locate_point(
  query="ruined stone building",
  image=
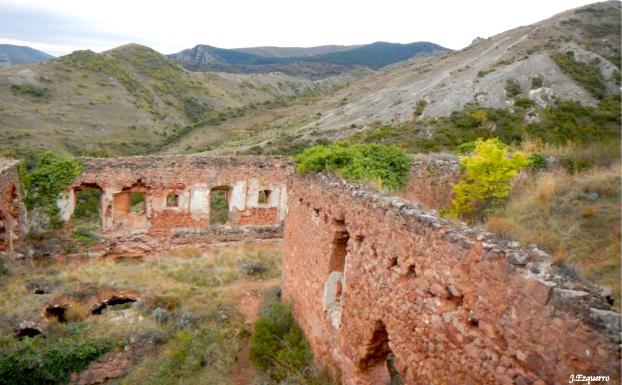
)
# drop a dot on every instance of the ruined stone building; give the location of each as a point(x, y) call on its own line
point(371, 277)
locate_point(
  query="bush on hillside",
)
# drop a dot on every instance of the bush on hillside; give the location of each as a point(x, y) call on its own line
point(486, 181)
point(386, 166)
point(588, 75)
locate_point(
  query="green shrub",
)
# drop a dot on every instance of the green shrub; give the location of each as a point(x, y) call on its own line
point(486, 181)
point(387, 166)
point(524, 103)
point(562, 122)
point(512, 89)
point(278, 345)
point(42, 361)
point(31, 90)
point(421, 105)
point(3, 269)
point(192, 352)
point(536, 82)
point(588, 75)
point(482, 73)
point(84, 236)
point(570, 121)
point(537, 161)
point(45, 178)
point(465, 148)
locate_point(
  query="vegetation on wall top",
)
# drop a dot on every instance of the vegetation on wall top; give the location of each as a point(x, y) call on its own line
point(43, 178)
point(384, 166)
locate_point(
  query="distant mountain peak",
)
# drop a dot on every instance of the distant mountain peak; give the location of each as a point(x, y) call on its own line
point(18, 54)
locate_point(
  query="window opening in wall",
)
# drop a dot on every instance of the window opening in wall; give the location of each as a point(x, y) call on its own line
point(263, 197)
point(172, 200)
point(379, 360)
point(219, 206)
point(137, 202)
point(339, 247)
point(87, 213)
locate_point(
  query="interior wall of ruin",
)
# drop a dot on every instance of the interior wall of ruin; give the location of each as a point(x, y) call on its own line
point(431, 180)
point(372, 277)
point(177, 192)
point(12, 209)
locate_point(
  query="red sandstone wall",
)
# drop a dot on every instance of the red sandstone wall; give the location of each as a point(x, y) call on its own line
point(12, 210)
point(431, 180)
point(458, 306)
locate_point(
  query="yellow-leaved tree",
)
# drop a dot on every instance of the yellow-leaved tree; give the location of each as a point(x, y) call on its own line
point(486, 181)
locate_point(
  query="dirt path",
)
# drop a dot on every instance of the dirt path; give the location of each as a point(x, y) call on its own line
point(248, 296)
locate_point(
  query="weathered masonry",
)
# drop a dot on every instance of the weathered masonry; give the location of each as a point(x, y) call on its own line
point(380, 285)
point(383, 287)
point(12, 210)
point(152, 201)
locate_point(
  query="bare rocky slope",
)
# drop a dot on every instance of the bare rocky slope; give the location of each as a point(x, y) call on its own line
point(480, 72)
point(420, 89)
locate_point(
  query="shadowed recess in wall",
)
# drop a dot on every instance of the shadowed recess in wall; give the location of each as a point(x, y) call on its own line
point(219, 205)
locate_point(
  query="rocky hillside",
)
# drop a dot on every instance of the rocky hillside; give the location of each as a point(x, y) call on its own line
point(295, 51)
point(574, 55)
point(315, 63)
point(17, 54)
point(133, 100)
point(127, 100)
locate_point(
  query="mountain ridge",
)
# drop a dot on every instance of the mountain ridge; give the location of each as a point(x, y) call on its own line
point(375, 55)
point(19, 54)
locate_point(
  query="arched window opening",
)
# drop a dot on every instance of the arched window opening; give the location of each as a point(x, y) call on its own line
point(379, 360)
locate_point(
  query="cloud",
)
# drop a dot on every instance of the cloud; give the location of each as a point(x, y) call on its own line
point(170, 26)
point(53, 32)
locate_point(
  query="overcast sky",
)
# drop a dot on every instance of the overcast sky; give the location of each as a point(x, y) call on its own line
point(61, 26)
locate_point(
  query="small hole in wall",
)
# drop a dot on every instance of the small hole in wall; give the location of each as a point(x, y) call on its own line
point(374, 252)
point(263, 196)
point(412, 270)
point(392, 262)
point(473, 320)
point(172, 200)
point(358, 239)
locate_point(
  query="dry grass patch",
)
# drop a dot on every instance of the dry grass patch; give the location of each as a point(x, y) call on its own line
point(183, 308)
point(575, 217)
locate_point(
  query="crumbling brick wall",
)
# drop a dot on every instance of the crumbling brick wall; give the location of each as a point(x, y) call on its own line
point(12, 210)
point(372, 276)
point(177, 191)
point(432, 179)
